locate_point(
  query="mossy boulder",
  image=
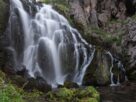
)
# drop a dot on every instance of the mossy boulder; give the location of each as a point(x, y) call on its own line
point(9, 92)
point(98, 73)
point(74, 95)
point(71, 85)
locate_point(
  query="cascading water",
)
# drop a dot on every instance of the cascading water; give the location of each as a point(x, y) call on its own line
point(51, 48)
point(119, 66)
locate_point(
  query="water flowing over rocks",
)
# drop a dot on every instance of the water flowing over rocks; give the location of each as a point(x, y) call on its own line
point(43, 44)
point(40, 50)
point(113, 27)
point(34, 54)
point(104, 70)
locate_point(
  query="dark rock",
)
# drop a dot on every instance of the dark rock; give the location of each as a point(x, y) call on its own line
point(38, 83)
point(129, 46)
point(30, 6)
point(69, 85)
point(131, 7)
point(18, 80)
point(4, 15)
point(22, 71)
point(98, 72)
point(9, 61)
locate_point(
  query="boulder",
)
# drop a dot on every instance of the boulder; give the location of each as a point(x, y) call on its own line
point(98, 73)
point(68, 84)
point(38, 83)
point(88, 94)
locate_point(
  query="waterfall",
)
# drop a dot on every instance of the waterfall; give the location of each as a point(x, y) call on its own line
point(51, 48)
point(119, 66)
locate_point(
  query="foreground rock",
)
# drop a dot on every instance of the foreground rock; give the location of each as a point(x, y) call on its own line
point(88, 94)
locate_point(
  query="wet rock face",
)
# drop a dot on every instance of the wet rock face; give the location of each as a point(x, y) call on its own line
point(4, 15)
point(98, 72)
point(38, 83)
point(104, 69)
point(30, 6)
point(4, 7)
point(129, 45)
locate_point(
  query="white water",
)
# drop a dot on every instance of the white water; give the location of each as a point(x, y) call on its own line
point(48, 37)
point(119, 66)
point(111, 73)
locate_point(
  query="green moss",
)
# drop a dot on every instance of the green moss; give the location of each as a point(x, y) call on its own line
point(73, 95)
point(63, 9)
point(62, 95)
point(54, 1)
point(11, 93)
point(108, 37)
point(94, 93)
point(64, 92)
point(99, 31)
point(89, 100)
point(8, 93)
point(33, 96)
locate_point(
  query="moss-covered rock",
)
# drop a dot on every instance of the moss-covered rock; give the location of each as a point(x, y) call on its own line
point(89, 100)
point(9, 92)
point(74, 95)
point(98, 72)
